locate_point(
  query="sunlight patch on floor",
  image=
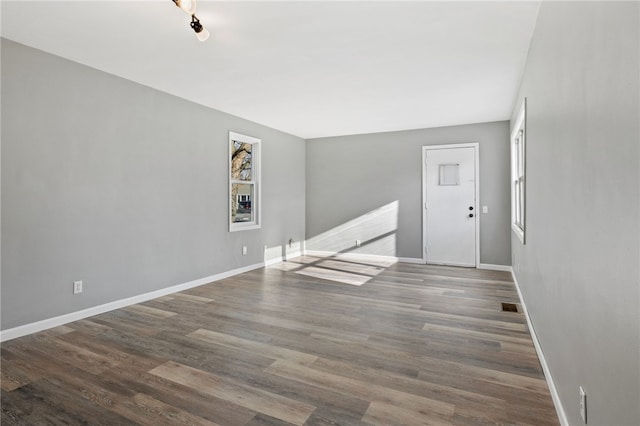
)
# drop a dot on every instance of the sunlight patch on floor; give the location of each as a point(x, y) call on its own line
point(351, 253)
point(349, 269)
point(334, 275)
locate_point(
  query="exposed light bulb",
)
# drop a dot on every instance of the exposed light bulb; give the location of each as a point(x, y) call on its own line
point(203, 35)
point(188, 6)
point(201, 32)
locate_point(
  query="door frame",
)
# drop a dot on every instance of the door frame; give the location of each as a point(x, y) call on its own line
point(425, 149)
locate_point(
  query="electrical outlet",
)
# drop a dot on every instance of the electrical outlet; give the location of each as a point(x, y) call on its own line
point(358, 243)
point(583, 404)
point(77, 287)
point(244, 250)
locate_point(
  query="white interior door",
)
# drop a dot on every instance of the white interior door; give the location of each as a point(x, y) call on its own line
point(450, 213)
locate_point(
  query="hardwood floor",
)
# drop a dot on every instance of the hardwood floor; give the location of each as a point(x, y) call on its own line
point(310, 341)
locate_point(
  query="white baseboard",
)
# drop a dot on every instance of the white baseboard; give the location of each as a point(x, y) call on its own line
point(292, 255)
point(373, 257)
point(321, 253)
point(455, 264)
point(34, 327)
point(492, 267)
point(411, 260)
point(279, 259)
point(562, 416)
point(273, 261)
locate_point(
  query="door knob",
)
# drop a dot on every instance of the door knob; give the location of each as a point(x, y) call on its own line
point(470, 207)
point(470, 214)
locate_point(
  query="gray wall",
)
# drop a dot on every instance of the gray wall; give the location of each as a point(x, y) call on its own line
point(122, 186)
point(579, 268)
point(350, 176)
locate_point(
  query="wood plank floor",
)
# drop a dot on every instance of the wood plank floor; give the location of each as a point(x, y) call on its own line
point(310, 341)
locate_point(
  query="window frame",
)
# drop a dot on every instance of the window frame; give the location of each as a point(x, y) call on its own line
point(518, 145)
point(255, 181)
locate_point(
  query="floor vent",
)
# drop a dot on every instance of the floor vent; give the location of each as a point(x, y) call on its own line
point(509, 307)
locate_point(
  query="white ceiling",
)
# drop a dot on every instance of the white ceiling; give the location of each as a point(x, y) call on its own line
point(312, 69)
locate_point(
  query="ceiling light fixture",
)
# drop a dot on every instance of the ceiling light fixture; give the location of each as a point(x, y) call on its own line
point(201, 32)
point(189, 6)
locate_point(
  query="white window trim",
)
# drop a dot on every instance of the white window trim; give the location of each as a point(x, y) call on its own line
point(519, 173)
point(257, 182)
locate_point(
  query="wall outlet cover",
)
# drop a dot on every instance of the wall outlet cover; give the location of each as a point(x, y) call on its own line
point(77, 287)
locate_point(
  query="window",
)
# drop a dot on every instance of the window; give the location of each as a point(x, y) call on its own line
point(518, 184)
point(244, 182)
point(449, 174)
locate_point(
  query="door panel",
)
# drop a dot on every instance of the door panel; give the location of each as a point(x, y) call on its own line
point(451, 206)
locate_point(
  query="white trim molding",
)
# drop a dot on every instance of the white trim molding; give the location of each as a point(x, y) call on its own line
point(476, 154)
point(326, 253)
point(562, 416)
point(273, 261)
point(410, 260)
point(292, 255)
point(372, 257)
point(518, 148)
point(254, 181)
point(491, 267)
point(34, 327)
